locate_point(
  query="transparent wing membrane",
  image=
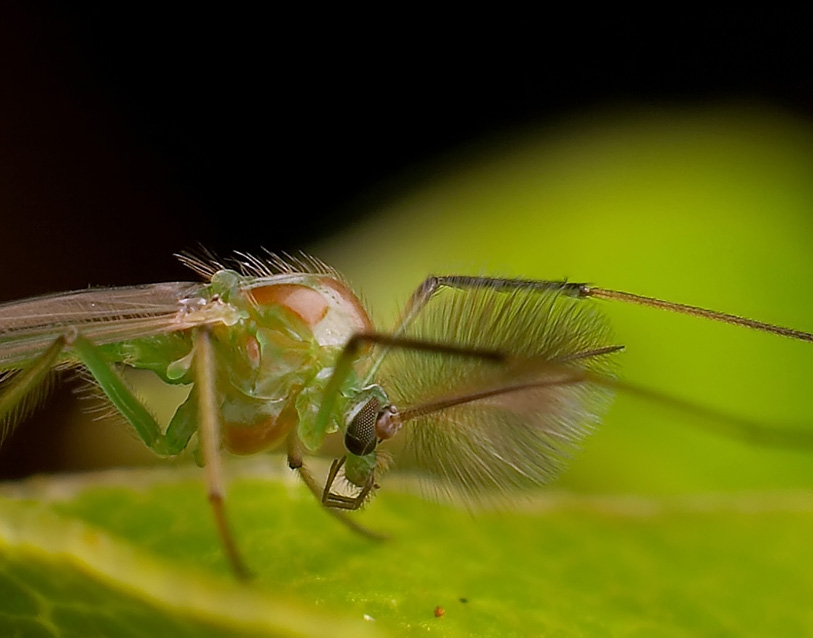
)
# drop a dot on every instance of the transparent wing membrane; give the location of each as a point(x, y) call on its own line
point(103, 315)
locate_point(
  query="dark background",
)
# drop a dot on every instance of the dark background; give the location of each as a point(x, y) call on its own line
point(129, 133)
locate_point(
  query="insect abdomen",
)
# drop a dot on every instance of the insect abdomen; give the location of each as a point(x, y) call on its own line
point(266, 434)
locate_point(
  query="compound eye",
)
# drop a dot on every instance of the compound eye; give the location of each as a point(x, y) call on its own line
point(360, 438)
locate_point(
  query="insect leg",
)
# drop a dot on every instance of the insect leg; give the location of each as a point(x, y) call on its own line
point(209, 432)
point(694, 311)
point(122, 397)
point(182, 426)
point(296, 462)
point(340, 501)
point(19, 390)
point(724, 424)
point(434, 283)
point(727, 424)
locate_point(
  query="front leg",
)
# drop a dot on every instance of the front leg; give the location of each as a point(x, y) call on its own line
point(340, 501)
point(296, 462)
point(434, 283)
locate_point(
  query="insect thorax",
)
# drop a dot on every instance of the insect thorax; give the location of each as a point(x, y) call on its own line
point(277, 361)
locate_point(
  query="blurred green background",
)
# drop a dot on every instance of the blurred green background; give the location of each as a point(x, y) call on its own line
point(710, 207)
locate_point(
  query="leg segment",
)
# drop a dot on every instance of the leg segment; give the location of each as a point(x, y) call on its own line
point(732, 426)
point(209, 433)
point(728, 424)
point(121, 396)
point(295, 462)
point(340, 501)
point(694, 311)
point(434, 283)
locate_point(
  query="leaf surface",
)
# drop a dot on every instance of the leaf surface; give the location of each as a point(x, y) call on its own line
point(135, 553)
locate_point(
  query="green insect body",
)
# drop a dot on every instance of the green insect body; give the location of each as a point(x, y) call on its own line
point(271, 362)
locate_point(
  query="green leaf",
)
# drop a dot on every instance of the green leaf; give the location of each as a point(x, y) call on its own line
point(135, 553)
